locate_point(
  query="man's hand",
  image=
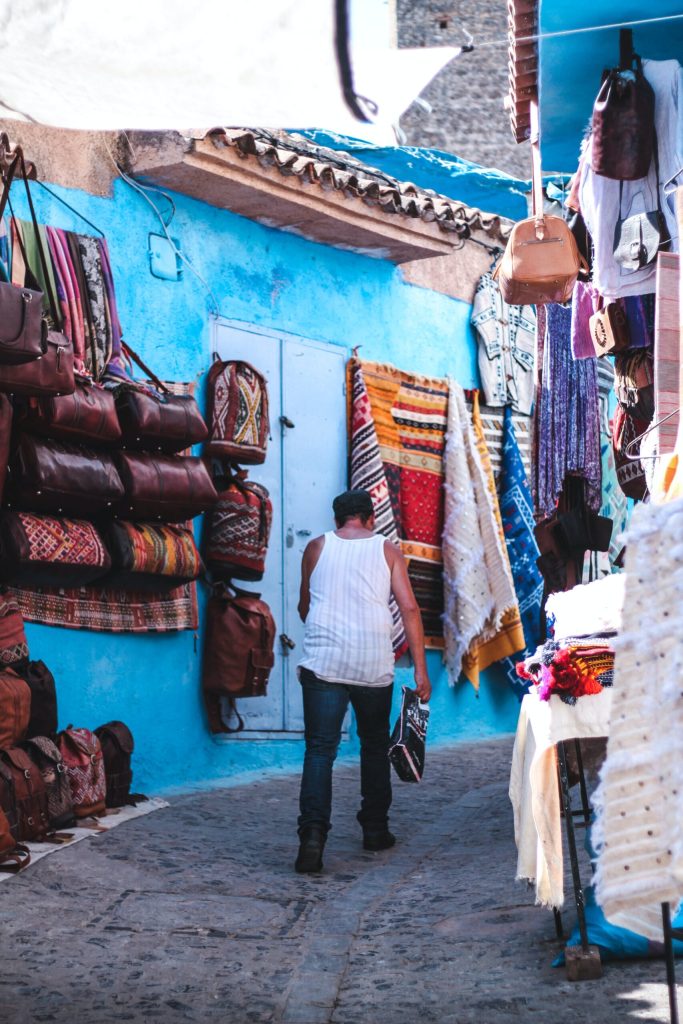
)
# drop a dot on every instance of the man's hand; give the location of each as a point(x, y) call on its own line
point(423, 687)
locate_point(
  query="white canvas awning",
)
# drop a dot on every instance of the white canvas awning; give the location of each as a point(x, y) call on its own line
point(167, 64)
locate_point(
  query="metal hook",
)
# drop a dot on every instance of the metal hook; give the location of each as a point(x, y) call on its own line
point(636, 440)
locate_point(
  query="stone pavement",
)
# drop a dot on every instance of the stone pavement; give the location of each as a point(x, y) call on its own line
point(194, 914)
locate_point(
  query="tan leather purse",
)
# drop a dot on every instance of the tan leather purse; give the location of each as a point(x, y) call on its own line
point(609, 329)
point(541, 261)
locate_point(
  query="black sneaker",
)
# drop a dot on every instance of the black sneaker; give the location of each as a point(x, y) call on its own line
point(311, 845)
point(378, 840)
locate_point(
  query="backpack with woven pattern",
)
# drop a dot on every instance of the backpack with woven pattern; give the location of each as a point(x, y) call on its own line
point(82, 754)
point(238, 530)
point(237, 413)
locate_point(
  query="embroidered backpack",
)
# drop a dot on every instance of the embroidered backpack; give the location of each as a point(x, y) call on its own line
point(237, 413)
point(82, 755)
point(238, 530)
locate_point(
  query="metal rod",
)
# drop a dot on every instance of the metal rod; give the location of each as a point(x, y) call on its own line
point(559, 929)
point(565, 796)
point(670, 963)
point(585, 802)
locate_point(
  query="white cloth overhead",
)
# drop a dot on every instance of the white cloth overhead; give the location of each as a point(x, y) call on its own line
point(534, 791)
point(639, 803)
point(162, 64)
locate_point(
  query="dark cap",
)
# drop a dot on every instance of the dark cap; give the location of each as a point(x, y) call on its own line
point(352, 503)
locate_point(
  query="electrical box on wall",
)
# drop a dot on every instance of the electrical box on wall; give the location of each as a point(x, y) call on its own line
point(164, 258)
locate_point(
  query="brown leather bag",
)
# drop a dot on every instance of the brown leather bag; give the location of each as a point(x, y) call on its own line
point(15, 708)
point(30, 794)
point(161, 421)
point(609, 329)
point(117, 750)
point(46, 756)
point(622, 138)
point(169, 488)
point(238, 650)
point(53, 476)
point(541, 261)
point(88, 415)
point(13, 856)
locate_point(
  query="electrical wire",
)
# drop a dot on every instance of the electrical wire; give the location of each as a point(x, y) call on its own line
point(504, 40)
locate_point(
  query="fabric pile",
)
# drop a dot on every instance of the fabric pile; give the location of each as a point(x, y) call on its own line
point(571, 668)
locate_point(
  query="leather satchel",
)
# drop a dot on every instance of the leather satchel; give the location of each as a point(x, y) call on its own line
point(88, 414)
point(541, 261)
point(41, 683)
point(609, 329)
point(623, 124)
point(169, 488)
point(117, 750)
point(52, 476)
point(15, 708)
point(45, 755)
point(29, 793)
point(162, 421)
point(145, 556)
point(82, 754)
point(43, 551)
point(238, 650)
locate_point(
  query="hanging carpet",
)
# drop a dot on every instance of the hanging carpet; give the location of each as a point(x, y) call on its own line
point(409, 417)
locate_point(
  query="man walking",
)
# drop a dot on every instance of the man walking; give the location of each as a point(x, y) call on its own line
point(347, 578)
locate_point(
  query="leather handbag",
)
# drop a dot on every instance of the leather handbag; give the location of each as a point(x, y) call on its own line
point(626, 429)
point(82, 754)
point(609, 330)
point(238, 413)
point(15, 708)
point(41, 683)
point(639, 237)
point(88, 414)
point(541, 261)
point(622, 138)
point(8, 800)
point(42, 551)
point(117, 749)
point(146, 556)
point(45, 755)
point(29, 793)
point(53, 476)
point(238, 650)
point(238, 530)
point(169, 488)
point(22, 328)
point(159, 421)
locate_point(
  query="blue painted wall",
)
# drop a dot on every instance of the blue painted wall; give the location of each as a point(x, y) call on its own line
point(261, 276)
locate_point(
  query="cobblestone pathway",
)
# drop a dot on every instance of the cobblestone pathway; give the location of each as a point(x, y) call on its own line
point(194, 914)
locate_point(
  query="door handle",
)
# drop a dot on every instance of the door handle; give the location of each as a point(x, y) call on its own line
point(286, 422)
point(287, 643)
point(303, 533)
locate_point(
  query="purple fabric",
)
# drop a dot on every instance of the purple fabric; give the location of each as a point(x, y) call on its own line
point(584, 303)
point(568, 418)
point(640, 316)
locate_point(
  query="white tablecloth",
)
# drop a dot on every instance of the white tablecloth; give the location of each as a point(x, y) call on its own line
point(533, 783)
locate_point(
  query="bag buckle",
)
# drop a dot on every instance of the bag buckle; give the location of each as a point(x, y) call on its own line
point(93, 759)
point(27, 774)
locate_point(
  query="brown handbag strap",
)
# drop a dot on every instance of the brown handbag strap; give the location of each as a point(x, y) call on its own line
point(536, 172)
point(145, 369)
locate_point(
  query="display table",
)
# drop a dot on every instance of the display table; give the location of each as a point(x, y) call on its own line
point(534, 790)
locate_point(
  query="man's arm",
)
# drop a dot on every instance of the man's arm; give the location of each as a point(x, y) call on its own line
point(308, 564)
point(412, 621)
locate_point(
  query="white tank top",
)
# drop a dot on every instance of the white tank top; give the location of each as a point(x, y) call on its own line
point(347, 637)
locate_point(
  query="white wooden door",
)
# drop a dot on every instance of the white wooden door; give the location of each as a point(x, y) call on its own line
point(304, 469)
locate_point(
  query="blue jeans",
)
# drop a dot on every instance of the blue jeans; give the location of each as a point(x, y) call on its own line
point(325, 705)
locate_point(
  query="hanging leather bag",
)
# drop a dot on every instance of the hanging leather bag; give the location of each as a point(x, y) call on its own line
point(29, 793)
point(145, 556)
point(82, 754)
point(238, 650)
point(41, 683)
point(117, 749)
point(43, 551)
point(13, 855)
point(54, 476)
point(52, 372)
point(23, 332)
point(159, 421)
point(87, 415)
point(608, 328)
point(238, 530)
point(15, 708)
point(238, 413)
point(640, 236)
point(168, 488)
point(622, 138)
point(45, 755)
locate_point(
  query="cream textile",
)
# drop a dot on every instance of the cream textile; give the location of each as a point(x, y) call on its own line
point(478, 587)
point(639, 830)
point(534, 791)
